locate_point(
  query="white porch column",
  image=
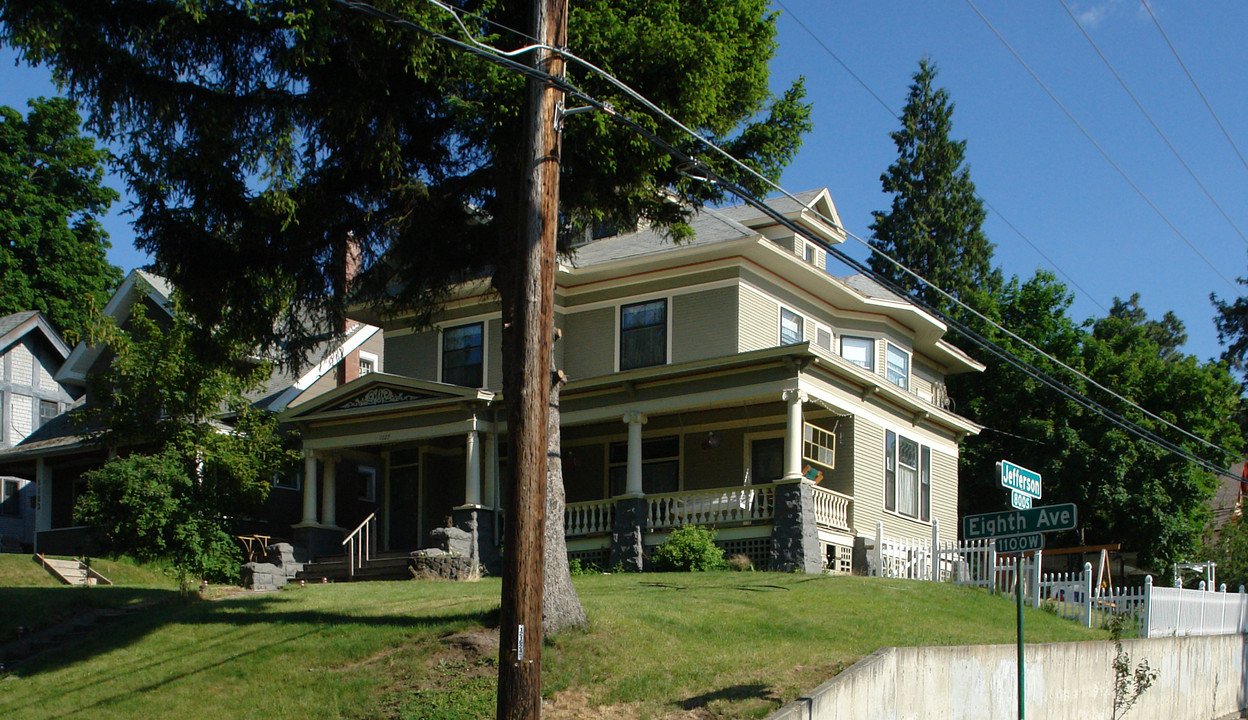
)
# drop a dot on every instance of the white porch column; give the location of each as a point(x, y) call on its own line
point(385, 502)
point(329, 500)
point(472, 469)
point(309, 488)
point(793, 435)
point(490, 471)
point(632, 474)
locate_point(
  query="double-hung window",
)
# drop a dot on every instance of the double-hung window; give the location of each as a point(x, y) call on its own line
point(859, 351)
point(792, 327)
point(643, 334)
point(463, 355)
point(898, 367)
point(907, 477)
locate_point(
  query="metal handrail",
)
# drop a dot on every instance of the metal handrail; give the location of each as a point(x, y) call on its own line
point(358, 553)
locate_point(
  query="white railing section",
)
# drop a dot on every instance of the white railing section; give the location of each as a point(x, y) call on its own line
point(360, 544)
point(588, 518)
point(971, 563)
point(1176, 611)
point(710, 507)
point(831, 508)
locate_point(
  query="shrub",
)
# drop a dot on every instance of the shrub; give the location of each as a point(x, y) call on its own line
point(740, 563)
point(689, 548)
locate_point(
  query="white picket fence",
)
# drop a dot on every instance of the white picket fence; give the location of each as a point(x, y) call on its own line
point(1149, 611)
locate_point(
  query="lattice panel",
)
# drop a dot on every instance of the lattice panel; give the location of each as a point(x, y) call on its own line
point(758, 550)
point(596, 558)
point(838, 559)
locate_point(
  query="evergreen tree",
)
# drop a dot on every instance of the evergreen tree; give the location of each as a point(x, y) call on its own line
point(52, 247)
point(934, 224)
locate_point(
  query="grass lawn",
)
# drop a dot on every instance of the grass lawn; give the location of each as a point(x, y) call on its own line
point(27, 600)
point(660, 645)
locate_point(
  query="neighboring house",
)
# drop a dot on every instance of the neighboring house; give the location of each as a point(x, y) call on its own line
point(727, 380)
point(54, 457)
point(31, 353)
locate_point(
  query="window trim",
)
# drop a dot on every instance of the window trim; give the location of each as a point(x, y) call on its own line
point(870, 351)
point(485, 344)
point(909, 364)
point(923, 479)
point(296, 473)
point(815, 433)
point(667, 331)
point(801, 319)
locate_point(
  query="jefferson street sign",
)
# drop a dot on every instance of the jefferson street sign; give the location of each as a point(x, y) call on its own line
point(1049, 518)
point(1019, 479)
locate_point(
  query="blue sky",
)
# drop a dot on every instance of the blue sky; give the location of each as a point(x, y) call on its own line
point(1028, 160)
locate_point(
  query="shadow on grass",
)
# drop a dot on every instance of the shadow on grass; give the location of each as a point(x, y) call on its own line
point(731, 693)
point(242, 615)
point(36, 608)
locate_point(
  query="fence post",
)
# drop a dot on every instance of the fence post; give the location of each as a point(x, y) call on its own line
point(935, 550)
point(1087, 593)
point(879, 549)
point(1148, 606)
point(992, 565)
point(1038, 558)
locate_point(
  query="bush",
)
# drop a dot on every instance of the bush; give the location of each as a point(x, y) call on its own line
point(689, 548)
point(740, 563)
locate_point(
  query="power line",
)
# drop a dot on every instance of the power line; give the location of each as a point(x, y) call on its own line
point(779, 217)
point(1192, 80)
point(1147, 200)
point(1052, 263)
point(1152, 122)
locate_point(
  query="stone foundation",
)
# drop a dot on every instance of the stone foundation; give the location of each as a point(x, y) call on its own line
point(433, 564)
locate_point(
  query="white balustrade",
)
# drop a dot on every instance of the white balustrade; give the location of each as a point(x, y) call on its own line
point(832, 508)
point(588, 518)
point(710, 507)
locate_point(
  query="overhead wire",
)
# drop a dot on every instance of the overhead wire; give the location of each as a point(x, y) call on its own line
point(1104, 153)
point(893, 113)
point(749, 198)
point(1160, 133)
point(1174, 51)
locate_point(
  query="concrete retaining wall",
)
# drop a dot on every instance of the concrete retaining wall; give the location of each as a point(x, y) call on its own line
point(1200, 678)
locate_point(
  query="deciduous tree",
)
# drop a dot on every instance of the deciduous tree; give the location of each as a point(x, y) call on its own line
point(52, 247)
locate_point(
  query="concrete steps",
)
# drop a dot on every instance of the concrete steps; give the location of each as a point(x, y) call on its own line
point(334, 568)
point(71, 572)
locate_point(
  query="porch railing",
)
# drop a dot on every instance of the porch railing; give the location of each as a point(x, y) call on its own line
point(588, 518)
point(832, 509)
point(360, 544)
point(710, 507)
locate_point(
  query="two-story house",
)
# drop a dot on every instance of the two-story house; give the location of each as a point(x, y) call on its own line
point(49, 461)
point(728, 380)
point(31, 353)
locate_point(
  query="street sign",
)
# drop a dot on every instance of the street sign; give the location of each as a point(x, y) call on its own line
point(1048, 518)
point(1020, 543)
point(1019, 501)
point(1019, 479)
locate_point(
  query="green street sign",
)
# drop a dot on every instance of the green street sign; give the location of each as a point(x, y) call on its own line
point(1048, 518)
point(1019, 479)
point(1020, 543)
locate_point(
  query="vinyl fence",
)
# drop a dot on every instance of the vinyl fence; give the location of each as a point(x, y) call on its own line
point(1147, 610)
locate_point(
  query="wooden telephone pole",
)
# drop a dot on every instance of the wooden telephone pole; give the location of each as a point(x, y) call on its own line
point(532, 301)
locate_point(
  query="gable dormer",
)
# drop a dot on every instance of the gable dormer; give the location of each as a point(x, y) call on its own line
point(814, 212)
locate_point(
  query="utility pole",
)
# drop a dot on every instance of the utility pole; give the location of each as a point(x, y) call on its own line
point(532, 302)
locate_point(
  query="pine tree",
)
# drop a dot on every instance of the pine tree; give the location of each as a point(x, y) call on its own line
point(934, 224)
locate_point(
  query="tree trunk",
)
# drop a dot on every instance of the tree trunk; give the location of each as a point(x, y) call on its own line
point(561, 607)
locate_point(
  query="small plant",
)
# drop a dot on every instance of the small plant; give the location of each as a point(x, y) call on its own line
point(1129, 683)
point(576, 568)
point(740, 563)
point(689, 548)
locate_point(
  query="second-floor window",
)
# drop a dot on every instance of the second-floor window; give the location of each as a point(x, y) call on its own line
point(463, 356)
point(898, 367)
point(859, 351)
point(792, 327)
point(48, 409)
point(643, 334)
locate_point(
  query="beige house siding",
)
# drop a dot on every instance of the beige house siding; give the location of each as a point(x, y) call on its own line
point(590, 338)
point(945, 494)
point(323, 384)
point(759, 323)
point(704, 324)
point(868, 447)
point(413, 355)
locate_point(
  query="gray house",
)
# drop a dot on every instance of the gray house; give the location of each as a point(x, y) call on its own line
point(31, 353)
point(727, 381)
